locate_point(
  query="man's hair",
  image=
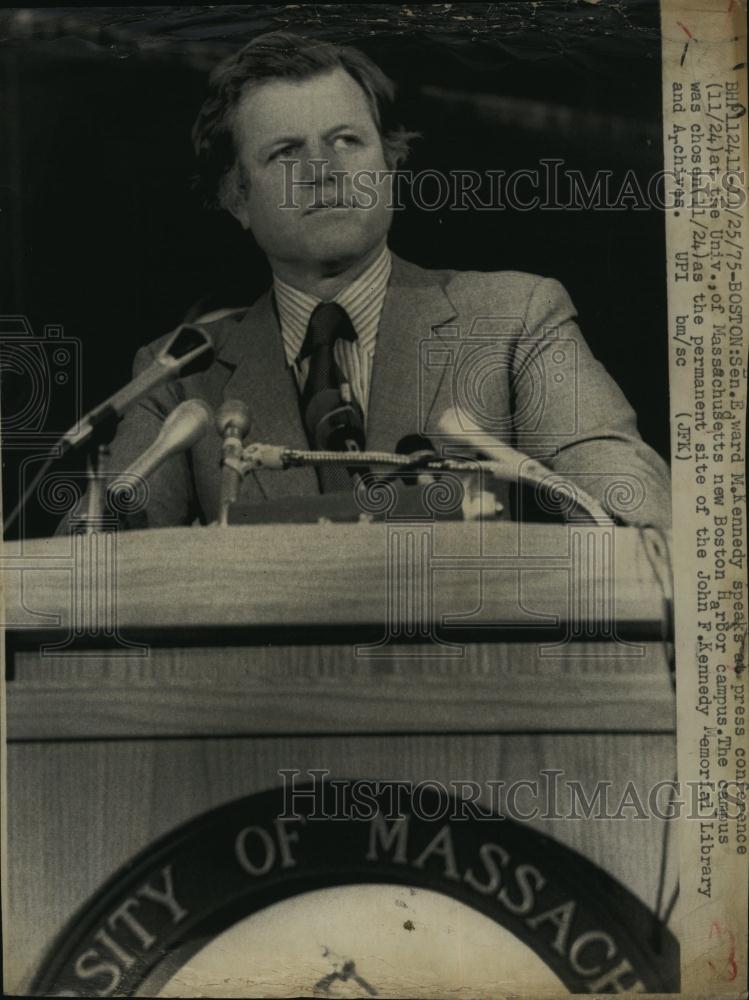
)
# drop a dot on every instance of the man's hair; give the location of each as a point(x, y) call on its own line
point(281, 55)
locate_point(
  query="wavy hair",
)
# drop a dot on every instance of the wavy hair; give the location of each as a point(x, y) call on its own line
point(281, 55)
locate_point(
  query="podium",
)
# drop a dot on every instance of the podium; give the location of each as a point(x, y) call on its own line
point(155, 676)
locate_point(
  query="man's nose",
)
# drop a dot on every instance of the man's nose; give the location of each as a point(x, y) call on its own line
point(321, 165)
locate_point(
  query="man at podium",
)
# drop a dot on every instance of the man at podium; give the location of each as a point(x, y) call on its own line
point(294, 140)
point(201, 672)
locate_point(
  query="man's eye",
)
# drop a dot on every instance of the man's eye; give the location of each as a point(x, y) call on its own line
point(347, 139)
point(282, 151)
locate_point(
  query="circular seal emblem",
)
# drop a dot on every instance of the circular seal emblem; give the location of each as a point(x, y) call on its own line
point(345, 890)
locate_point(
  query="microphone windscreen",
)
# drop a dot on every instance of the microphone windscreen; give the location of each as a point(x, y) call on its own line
point(187, 423)
point(182, 428)
point(457, 428)
point(420, 449)
point(504, 462)
point(233, 413)
point(188, 339)
point(411, 443)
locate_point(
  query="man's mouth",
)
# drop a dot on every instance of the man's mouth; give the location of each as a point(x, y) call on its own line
point(327, 206)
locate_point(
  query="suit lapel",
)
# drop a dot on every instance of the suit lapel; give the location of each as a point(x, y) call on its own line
point(257, 373)
point(404, 385)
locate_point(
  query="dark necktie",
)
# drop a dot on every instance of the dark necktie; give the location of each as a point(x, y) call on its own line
point(328, 323)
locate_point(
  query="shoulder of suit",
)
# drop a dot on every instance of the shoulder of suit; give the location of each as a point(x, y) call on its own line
point(487, 289)
point(514, 288)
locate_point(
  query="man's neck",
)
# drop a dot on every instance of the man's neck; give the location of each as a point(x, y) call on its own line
point(324, 279)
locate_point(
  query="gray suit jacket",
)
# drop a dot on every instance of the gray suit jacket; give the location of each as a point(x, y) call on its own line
point(503, 348)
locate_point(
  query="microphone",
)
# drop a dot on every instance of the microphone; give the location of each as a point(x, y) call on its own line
point(336, 422)
point(232, 423)
point(503, 456)
point(183, 427)
point(189, 350)
point(513, 466)
point(337, 419)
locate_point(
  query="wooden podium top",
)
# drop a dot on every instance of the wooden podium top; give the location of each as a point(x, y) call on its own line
point(328, 582)
point(338, 628)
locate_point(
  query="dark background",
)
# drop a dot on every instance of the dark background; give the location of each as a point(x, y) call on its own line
point(105, 237)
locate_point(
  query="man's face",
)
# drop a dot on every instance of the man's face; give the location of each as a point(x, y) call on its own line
point(326, 118)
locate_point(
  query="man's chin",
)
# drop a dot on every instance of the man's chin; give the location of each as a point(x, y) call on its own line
point(340, 242)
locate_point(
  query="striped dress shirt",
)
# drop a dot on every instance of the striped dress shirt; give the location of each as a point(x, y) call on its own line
point(363, 300)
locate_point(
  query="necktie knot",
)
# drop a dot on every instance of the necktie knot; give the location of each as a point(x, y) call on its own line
point(328, 323)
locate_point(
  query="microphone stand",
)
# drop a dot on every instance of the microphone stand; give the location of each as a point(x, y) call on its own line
point(264, 456)
point(97, 467)
point(187, 351)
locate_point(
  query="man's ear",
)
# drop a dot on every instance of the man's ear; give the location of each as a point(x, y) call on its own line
point(234, 195)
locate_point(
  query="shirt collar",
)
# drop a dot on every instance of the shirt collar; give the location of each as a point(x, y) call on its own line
point(363, 300)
